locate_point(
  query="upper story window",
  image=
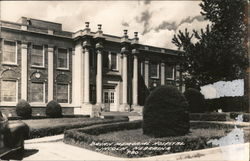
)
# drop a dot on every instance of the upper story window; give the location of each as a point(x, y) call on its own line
point(63, 58)
point(9, 91)
point(37, 56)
point(10, 52)
point(154, 70)
point(110, 60)
point(105, 60)
point(170, 72)
point(113, 62)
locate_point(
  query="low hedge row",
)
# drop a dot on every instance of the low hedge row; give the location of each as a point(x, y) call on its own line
point(86, 138)
point(225, 116)
point(228, 104)
point(246, 116)
point(209, 116)
point(55, 130)
point(45, 117)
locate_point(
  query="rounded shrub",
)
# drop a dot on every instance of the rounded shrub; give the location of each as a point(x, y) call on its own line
point(195, 100)
point(165, 113)
point(53, 109)
point(23, 109)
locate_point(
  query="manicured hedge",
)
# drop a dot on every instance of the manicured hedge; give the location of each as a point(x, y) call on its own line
point(84, 137)
point(196, 100)
point(165, 113)
point(246, 116)
point(55, 130)
point(209, 116)
point(228, 104)
point(45, 117)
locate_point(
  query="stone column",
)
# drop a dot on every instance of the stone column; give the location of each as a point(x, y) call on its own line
point(99, 74)
point(146, 74)
point(24, 70)
point(86, 75)
point(162, 73)
point(135, 81)
point(125, 79)
point(50, 72)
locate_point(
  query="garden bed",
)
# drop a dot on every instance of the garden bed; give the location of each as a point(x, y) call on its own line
point(126, 139)
point(54, 126)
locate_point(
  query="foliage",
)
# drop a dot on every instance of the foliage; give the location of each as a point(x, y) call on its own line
point(53, 109)
point(165, 113)
point(195, 100)
point(23, 109)
point(112, 135)
point(220, 51)
point(209, 116)
point(228, 104)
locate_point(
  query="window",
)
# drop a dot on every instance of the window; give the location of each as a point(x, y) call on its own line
point(63, 93)
point(105, 60)
point(9, 91)
point(10, 52)
point(170, 72)
point(113, 62)
point(37, 92)
point(62, 58)
point(154, 70)
point(37, 56)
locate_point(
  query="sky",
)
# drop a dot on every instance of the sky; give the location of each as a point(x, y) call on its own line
point(156, 21)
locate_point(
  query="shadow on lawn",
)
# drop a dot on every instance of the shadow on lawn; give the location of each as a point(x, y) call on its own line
point(29, 152)
point(15, 155)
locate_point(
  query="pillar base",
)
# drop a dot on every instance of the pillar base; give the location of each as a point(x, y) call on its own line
point(91, 110)
point(124, 108)
point(137, 108)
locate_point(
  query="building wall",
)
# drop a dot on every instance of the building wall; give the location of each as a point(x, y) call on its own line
point(51, 37)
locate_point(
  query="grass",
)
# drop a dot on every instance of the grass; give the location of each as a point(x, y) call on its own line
point(54, 126)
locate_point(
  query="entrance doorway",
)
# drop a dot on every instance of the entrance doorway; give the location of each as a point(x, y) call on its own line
point(109, 99)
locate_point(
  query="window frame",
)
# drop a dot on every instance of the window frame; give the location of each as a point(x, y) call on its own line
point(68, 93)
point(173, 73)
point(62, 68)
point(39, 66)
point(6, 102)
point(6, 62)
point(158, 70)
point(43, 83)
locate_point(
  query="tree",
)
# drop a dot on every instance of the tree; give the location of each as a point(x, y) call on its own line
point(220, 50)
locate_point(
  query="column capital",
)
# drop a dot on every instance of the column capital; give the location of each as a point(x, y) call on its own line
point(50, 48)
point(24, 45)
point(135, 52)
point(125, 50)
point(86, 44)
point(99, 46)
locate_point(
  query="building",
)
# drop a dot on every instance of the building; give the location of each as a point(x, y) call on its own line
point(84, 71)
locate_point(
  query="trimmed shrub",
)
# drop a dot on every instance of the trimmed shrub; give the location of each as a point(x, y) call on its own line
point(228, 104)
point(53, 109)
point(165, 113)
point(209, 116)
point(23, 109)
point(195, 100)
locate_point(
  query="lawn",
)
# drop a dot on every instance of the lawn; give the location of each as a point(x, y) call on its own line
point(54, 126)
